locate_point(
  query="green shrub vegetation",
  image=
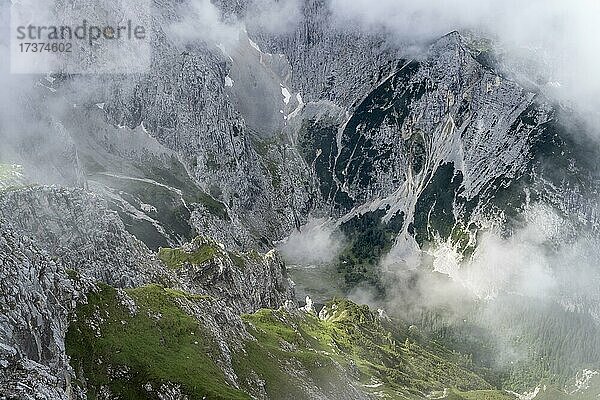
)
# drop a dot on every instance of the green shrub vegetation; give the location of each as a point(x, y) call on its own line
point(350, 339)
point(159, 344)
point(177, 258)
point(368, 240)
point(203, 251)
point(479, 395)
point(290, 352)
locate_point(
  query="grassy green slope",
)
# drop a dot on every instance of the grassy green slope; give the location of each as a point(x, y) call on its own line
point(159, 344)
point(351, 340)
point(292, 353)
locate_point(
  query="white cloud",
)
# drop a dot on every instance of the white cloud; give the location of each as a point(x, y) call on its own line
point(315, 243)
point(559, 36)
point(274, 16)
point(203, 22)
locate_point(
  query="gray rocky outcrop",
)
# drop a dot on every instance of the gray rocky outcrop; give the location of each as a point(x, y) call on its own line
point(36, 297)
point(76, 227)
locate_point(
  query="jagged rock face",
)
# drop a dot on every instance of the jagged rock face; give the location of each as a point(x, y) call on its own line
point(433, 150)
point(329, 61)
point(112, 130)
point(242, 145)
point(408, 118)
point(35, 300)
point(368, 128)
point(246, 282)
point(76, 227)
point(444, 142)
point(184, 105)
point(446, 108)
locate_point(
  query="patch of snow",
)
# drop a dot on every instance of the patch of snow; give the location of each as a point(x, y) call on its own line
point(527, 395)
point(438, 395)
point(144, 180)
point(286, 94)
point(446, 258)
point(47, 87)
point(309, 308)
point(382, 314)
point(298, 108)
point(582, 380)
point(147, 208)
point(253, 44)
point(131, 210)
point(224, 51)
